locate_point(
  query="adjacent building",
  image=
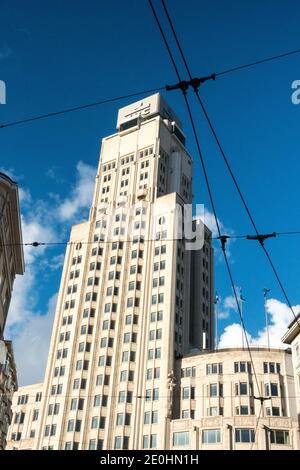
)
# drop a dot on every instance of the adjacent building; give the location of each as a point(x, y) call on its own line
point(292, 337)
point(11, 264)
point(8, 385)
point(26, 414)
point(216, 403)
point(11, 250)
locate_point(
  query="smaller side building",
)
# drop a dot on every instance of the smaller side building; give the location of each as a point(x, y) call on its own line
point(215, 403)
point(292, 337)
point(25, 417)
point(8, 385)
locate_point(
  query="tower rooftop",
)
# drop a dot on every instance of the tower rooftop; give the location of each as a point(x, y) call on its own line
point(144, 109)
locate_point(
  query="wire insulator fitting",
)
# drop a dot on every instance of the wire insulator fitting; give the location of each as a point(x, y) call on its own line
point(261, 237)
point(223, 239)
point(262, 399)
point(194, 83)
point(35, 244)
point(183, 86)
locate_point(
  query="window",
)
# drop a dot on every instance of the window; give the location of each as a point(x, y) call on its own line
point(215, 368)
point(211, 436)
point(155, 395)
point(145, 442)
point(214, 411)
point(188, 372)
point(241, 388)
point(273, 411)
point(70, 427)
point(278, 436)
point(76, 384)
point(271, 368)
point(97, 400)
point(186, 393)
point(35, 415)
point(73, 404)
point(126, 338)
point(123, 376)
point(118, 442)
point(181, 438)
point(213, 390)
point(92, 444)
point(185, 414)
point(242, 367)
point(242, 410)
point(53, 409)
point(153, 441)
point(271, 390)
point(157, 353)
point(244, 435)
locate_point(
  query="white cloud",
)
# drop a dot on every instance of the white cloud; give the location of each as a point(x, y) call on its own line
point(230, 302)
point(223, 315)
point(280, 316)
point(209, 219)
point(52, 173)
point(31, 345)
point(27, 326)
point(227, 305)
point(81, 194)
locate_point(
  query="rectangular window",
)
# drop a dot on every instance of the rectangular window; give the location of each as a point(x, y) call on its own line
point(211, 436)
point(271, 390)
point(153, 441)
point(213, 390)
point(181, 438)
point(278, 436)
point(215, 368)
point(244, 435)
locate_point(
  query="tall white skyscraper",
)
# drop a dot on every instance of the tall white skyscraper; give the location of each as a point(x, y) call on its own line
point(132, 298)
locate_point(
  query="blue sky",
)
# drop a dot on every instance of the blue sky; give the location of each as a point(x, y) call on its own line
point(59, 54)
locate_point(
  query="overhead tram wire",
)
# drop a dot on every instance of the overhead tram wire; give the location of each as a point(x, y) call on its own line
point(78, 108)
point(257, 62)
point(223, 242)
point(36, 244)
point(259, 238)
point(131, 95)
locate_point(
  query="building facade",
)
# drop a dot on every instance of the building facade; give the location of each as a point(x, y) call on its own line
point(26, 417)
point(11, 264)
point(216, 405)
point(133, 298)
point(292, 337)
point(8, 385)
point(11, 251)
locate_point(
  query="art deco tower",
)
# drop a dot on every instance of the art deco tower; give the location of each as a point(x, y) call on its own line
point(132, 297)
